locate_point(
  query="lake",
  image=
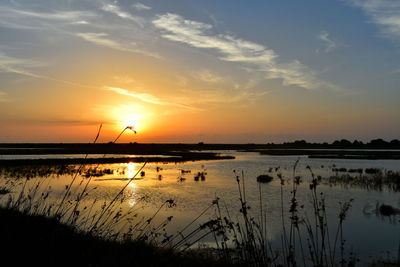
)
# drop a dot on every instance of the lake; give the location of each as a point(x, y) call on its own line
point(367, 233)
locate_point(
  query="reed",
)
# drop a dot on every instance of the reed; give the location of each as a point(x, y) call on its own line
point(244, 240)
point(37, 199)
point(378, 181)
point(307, 238)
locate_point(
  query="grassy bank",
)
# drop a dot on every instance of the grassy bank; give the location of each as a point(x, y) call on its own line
point(40, 240)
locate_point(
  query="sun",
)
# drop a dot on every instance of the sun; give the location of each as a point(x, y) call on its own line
point(130, 115)
point(131, 120)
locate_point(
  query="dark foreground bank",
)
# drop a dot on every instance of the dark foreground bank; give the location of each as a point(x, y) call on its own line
point(36, 240)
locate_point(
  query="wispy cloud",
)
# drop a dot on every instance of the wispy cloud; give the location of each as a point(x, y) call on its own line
point(148, 98)
point(140, 6)
point(115, 9)
point(7, 61)
point(56, 15)
point(14, 14)
point(3, 97)
point(32, 120)
point(19, 66)
point(206, 75)
point(40, 20)
point(384, 13)
point(80, 22)
point(103, 39)
point(214, 98)
point(141, 96)
point(100, 39)
point(330, 44)
point(95, 23)
point(123, 79)
point(22, 67)
point(396, 71)
point(232, 49)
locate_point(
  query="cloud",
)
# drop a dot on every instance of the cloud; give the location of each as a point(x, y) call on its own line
point(4, 98)
point(100, 39)
point(140, 6)
point(232, 49)
point(114, 9)
point(384, 13)
point(103, 40)
point(123, 79)
point(330, 45)
point(55, 15)
point(80, 22)
point(141, 96)
point(207, 76)
point(21, 66)
point(18, 65)
point(32, 19)
point(95, 23)
point(7, 61)
point(148, 98)
point(52, 121)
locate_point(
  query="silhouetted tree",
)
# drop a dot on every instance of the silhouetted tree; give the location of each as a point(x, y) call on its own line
point(342, 143)
point(357, 143)
point(395, 142)
point(378, 143)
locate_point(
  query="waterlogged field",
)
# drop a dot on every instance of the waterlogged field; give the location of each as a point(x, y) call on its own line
point(153, 192)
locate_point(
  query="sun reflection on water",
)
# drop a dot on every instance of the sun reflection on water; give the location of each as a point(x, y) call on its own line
point(132, 193)
point(131, 170)
point(132, 187)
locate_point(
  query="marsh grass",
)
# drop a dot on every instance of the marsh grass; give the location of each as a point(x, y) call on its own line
point(307, 238)
point(241, 240)
point(35, 197)
point(375, 180)
point(305, 241)
point(31, 240)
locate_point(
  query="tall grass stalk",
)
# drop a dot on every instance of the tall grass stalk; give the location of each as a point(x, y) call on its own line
point(242, 240)
point(74, 178)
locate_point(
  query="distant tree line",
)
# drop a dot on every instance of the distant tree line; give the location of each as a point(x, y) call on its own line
point(343, 143)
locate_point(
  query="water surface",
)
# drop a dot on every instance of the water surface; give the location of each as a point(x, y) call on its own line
point(366, 232)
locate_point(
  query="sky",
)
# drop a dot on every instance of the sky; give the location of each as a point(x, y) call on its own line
point(188, 71)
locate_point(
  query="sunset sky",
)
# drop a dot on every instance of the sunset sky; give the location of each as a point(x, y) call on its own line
point(190, 71)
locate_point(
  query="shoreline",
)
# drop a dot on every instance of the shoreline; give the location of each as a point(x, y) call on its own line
point(186, 152)
point(67, 161)
point(335, 154)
